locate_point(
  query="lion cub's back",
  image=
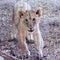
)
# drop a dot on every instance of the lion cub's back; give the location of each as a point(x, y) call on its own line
point(22, 5)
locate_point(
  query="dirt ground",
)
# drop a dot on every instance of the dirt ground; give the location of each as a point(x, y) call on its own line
point(49, 26)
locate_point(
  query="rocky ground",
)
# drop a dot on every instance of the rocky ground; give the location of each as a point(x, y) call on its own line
point(49, 26)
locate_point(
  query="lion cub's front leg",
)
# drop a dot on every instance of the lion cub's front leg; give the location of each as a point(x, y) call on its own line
point(22, 42)
point(39, 41)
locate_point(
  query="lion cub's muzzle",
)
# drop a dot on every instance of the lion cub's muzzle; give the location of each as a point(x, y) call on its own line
point(31, 30)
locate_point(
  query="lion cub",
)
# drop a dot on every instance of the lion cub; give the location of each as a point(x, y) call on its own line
point(26, 22)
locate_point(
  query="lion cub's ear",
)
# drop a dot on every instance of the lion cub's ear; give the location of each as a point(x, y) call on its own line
point(38, 11)
point(21, 13)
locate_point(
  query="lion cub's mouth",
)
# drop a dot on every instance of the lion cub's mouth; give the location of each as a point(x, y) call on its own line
point(31, 30)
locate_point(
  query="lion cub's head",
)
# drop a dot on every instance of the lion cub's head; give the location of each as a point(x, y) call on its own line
point(29, 19)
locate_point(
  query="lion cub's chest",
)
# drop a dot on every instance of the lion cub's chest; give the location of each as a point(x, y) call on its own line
point(30, 36)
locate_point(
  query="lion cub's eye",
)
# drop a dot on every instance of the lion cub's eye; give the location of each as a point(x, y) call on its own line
point(34, 19)
point(21, 14)
point(26, 20)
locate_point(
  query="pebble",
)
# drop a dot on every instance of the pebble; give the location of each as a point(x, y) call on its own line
point(1, 58)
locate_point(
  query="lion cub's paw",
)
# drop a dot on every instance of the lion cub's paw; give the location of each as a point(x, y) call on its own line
point(26, 55)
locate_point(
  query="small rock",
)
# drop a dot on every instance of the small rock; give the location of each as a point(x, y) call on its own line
point(1, 58)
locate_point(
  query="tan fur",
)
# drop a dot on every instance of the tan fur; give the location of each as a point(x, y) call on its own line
point(22, 26)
